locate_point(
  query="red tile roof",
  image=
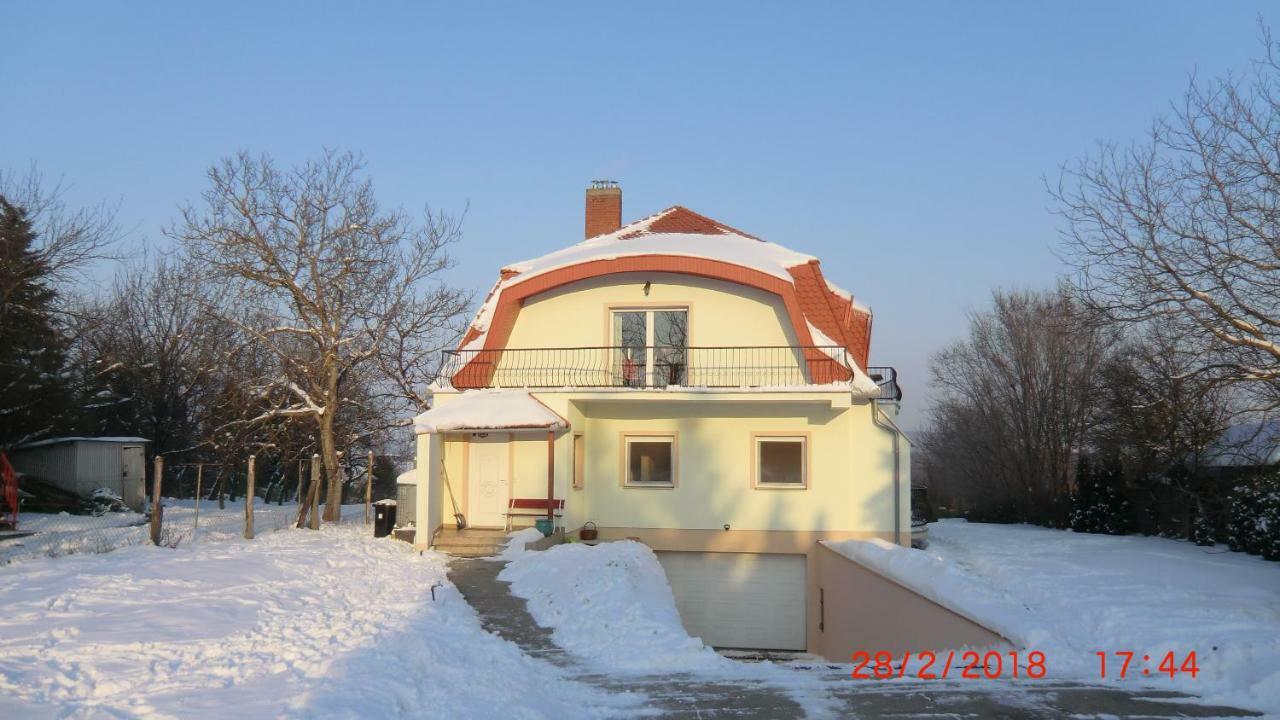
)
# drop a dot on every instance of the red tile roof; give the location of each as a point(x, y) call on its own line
point(808, 297)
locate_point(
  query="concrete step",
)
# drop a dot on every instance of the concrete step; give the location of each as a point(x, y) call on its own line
point(465, 541)
point(470, 551)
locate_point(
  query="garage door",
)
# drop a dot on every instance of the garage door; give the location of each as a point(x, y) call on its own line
point(740, 600)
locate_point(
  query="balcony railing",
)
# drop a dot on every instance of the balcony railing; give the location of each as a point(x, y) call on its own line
point(657, 367)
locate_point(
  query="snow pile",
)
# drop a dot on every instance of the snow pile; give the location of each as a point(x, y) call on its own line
point(609, 604)
point(1071, 595)
point(516, 542)
point(329, 624)
point(488, 410)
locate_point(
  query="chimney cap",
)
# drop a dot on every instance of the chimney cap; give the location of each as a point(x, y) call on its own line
point(604, 185)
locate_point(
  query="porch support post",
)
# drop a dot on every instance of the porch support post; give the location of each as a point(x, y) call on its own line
point(427, 499)
point(551, 475)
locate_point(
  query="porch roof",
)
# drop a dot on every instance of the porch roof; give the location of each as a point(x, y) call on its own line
point(489, 410)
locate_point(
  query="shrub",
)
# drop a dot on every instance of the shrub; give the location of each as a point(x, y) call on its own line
point(1098, 504)
point(1253, 517)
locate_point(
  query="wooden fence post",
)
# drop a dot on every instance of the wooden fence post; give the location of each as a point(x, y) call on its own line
point(199, 480)
point(157, 509)
point(368, 490)
point(314, 495)
point(248, 501)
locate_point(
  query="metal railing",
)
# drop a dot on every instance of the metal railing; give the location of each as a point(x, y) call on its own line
point(887, 378)
point(657, 367)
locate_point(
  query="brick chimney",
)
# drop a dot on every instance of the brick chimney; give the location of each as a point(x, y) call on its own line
point(604, 207)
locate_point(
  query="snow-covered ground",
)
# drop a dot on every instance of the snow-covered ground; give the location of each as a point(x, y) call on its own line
point(338, 624)
point(64, 534)
point(1072, 595)
point(292, 624)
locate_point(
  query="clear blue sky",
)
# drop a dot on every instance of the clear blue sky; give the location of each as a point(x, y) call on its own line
point(904, 146)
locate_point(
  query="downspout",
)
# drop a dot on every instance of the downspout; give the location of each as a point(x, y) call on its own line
point(887, 424)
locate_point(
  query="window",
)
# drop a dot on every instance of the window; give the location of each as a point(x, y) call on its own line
point(649, 460)
point(579, 461)
point(781, 461)
point(651, 347)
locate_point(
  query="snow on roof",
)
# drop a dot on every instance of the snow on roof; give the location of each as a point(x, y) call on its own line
point(489, 410)
point(861, 382)
point(57, 440)
point(675, 231)
point(717, 242)
point(408, 477)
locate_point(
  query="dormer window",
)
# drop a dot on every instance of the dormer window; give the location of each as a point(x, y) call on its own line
point(650, 347)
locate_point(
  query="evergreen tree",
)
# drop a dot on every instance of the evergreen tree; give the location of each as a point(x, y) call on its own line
point(1203, 532)
point(33, 386)
point(1098, 504)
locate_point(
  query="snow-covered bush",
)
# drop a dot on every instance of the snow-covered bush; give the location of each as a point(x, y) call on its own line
point(1098, 504)
point(103, 501)
point(1253, 517)
point(1202, 530)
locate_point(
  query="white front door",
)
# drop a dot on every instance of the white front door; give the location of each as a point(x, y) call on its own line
point(740, 600)
point(489, 477)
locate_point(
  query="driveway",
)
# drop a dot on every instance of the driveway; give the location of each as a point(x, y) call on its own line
point(818, 690)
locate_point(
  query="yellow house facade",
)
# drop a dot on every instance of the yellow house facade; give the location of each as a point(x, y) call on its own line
point(682, 383)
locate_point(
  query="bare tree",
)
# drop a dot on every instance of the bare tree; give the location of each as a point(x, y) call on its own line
point(333, 287)
point(69, 238)
point(1159, 421)
point(153, 358)
point(1015, 401)
point(1184, 228)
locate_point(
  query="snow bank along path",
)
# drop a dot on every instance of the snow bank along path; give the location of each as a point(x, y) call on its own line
point(1071, 595)
point(292, 624)
point(609, 604)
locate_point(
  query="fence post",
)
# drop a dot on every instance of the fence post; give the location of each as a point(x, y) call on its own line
point(157, 509)
point(313, 497)
point(248, 501)
point(299, 496)
point(368, 490)
point(199, 480)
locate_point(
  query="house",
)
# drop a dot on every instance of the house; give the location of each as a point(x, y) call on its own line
point(686, 384)
point(84, 464)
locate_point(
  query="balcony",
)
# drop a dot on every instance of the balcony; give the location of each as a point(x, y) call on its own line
point(659, 367)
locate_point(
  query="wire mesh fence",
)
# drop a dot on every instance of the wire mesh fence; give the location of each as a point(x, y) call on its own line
point(199, 502)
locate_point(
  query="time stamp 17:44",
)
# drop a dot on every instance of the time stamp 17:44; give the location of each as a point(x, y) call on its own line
point(993, 665)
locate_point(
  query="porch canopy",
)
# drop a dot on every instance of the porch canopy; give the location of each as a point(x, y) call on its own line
point(478, 410)
point(482, 410)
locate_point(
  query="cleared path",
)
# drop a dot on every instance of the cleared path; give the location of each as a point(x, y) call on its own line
point(826, 688)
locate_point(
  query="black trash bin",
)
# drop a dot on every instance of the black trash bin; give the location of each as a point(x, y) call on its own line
point(384, 517)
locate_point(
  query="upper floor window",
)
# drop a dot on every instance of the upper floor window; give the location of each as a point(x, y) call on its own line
point(651, 347)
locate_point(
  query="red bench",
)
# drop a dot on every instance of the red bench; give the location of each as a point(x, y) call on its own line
point(534, 508)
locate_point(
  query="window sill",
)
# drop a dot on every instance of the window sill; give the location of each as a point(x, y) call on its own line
point(650, 486)
point(778, 486)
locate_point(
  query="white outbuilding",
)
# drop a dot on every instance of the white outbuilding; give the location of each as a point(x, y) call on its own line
point(85, 464)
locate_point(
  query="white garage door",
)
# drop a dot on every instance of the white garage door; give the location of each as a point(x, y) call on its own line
point(740, 600)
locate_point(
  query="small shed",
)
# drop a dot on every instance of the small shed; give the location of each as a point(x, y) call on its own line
point(84, 464)
point(406, 497)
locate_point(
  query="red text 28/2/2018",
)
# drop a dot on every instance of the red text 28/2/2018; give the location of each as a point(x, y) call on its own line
point(1126, 663)
point(969, 665)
